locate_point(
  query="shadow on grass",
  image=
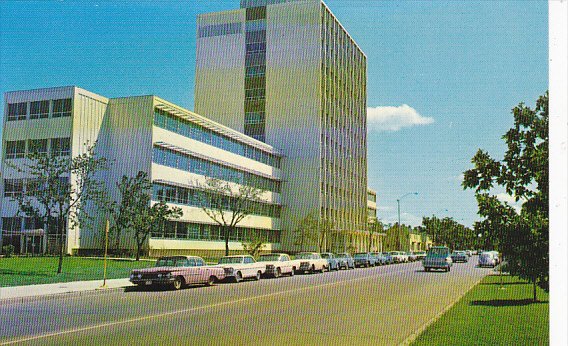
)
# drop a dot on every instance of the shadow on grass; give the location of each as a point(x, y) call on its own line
point(504, 283)
point(505, 302)
point(24, 273)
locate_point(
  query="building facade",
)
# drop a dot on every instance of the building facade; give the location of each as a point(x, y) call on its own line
point(176, 148)
point(288, 74)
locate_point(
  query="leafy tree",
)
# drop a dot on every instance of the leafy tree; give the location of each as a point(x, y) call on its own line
point(254, 246)
point(522, 237)
point(227, 205)
point(375, 226)
point(306, 233)
point(60, 189)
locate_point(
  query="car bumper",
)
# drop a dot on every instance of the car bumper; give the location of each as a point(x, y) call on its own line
point(153, 281)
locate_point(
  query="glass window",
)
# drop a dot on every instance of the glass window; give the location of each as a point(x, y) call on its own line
point(37, 146)
point(13, 187)
point(17, 111)
point(256, 25)
point(11, 224)
point(15, 149)
point(33, 186)
point(193, 231)
point(39, 109)
point(61, 108)
point(170, 229)
point(61, 146)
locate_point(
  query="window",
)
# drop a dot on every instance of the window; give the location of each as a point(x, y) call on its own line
point(15, 149)
point(33, 186)
point(219, 29)
point(13, 187)
point(17, 111)
point(37, 146)
point(11, 224)
point(61, 108)
point(61, 146)
point(39, 109)
point(193, 231)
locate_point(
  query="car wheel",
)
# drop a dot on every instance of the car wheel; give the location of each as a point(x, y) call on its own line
point(368, 264)
point(178, 283)
point(238, 277)
point(277, 273)
point(258, 275)
point(211, 281)
point(292, 272)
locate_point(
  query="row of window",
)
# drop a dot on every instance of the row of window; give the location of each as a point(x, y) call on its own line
point(219, 29)
point(57, 147)
point(39, 109)
point(31, 186)
point(205, 199)
point(171, 158)
point(255, 70)
point(254, 117)
point(195, 231)
point(14, 224)
point(191, 130)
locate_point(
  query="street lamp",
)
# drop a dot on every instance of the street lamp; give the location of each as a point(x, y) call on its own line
point(398, 203)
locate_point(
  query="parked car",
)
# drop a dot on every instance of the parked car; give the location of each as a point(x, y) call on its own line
point(497, 256)
point(411, 256)
point(388, 257)
point(311, 262)
point(381, 260)
point(420, 255)
point(240, 267)
point(487, 259)
point(277, 264)
point(332, 262)
point(469, 253)
point(177, 271)
point(438, 257)
point(364, 259)
point(459, 256)
point(345, 261)
point(399, 256)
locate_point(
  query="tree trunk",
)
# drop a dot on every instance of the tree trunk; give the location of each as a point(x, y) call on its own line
point(61, 232)
point(226, 234)
point(534, 291)
point(138, 246)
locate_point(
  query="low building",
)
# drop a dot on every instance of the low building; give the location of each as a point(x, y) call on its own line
point(176, 148)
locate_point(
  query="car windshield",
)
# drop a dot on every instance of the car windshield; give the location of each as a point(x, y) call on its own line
point(226, 260)
point(360, 255)
point(304, 256)
point(170, 262)
point(271, 257)
point(341, 255)
point(438, 252)
point(325, 255)
point(420, 253)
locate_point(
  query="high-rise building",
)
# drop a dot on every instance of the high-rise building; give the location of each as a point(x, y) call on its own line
point(288, 73)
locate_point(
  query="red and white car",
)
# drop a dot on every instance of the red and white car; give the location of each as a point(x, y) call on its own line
point(177, 271)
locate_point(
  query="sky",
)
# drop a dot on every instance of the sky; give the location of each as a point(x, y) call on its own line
point(443, 76)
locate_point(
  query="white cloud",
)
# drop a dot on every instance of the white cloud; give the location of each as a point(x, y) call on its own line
point(390, 118)
point(505, 197)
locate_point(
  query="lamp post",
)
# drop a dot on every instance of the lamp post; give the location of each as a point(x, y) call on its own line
point(398, 203)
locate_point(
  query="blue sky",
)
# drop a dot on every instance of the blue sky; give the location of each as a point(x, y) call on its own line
point(442, 75)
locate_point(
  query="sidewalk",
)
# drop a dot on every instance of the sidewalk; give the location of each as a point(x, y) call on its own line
point(59, 288)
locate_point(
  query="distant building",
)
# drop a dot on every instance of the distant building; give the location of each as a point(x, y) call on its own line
point(174, 146)
point(288, 73)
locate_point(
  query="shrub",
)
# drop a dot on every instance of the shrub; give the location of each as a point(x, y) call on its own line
point(8, 250)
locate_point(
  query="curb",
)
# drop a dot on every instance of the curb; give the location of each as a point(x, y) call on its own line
point(50, 296)
point(422, 328)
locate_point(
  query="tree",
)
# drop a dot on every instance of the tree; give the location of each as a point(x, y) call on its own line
point(306, 232)
point(148, 218)
point(522, 237)
point(227, 204)
point(59, 190)
point(254, 246)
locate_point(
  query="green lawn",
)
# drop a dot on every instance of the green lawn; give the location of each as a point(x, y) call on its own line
point(16, 271)
point(488, 315)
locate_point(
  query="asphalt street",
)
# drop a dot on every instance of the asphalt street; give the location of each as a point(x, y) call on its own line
point(378, 306)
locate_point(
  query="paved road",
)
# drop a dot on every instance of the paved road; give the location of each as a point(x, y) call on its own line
point(378, 306)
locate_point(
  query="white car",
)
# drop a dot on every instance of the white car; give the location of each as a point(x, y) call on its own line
point(399, 257)
point(277, 264)
point(240, 267)
point(487, 259)
point(311, 262)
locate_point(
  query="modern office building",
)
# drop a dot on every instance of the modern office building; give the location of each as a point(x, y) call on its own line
point(288, 74)
point(176, 148)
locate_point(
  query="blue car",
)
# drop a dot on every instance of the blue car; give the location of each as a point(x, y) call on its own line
point(333, 263)
point(381, 260)
point(364, 259)
point(345, 261)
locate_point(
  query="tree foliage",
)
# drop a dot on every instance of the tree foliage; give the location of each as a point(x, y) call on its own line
point(449, 232)
point(228, 204)
point(59, 190)
point(523, 236)
point(313, 232)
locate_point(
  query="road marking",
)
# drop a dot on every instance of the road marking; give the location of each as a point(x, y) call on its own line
point(171, 313)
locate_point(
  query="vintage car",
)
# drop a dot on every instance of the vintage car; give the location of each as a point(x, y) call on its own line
point(411, 256)
point(345, 261)
point(388, 257)
point(438, 257)
point(240, 267)
point(487, 259)
point(277, 264)
point(332, 262)
point(364, 259)
point(459, 256)
point(399, 256)
point(177, 271)
point(420, 255)
point(380, 259)
point(311, 262)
